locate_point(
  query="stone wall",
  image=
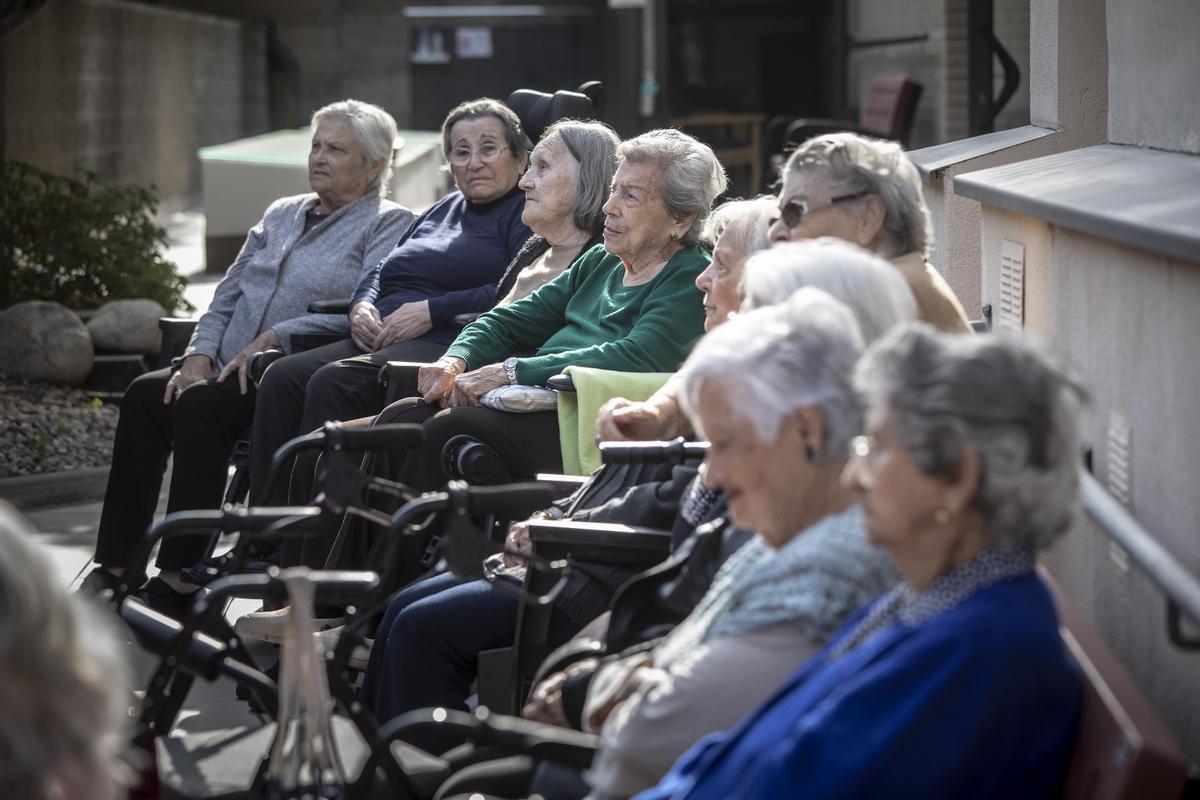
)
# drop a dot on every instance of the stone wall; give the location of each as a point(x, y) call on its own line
point(130, 92)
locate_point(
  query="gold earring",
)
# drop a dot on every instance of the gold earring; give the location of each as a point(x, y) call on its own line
point(942, 516)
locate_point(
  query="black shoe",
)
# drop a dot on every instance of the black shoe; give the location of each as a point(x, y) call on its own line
point(162, 597)
point(99, 583)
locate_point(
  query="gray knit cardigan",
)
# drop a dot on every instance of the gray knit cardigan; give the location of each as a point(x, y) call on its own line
point(281, 269)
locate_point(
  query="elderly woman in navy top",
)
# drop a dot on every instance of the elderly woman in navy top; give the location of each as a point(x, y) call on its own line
point(956, 683)
point(448, 263)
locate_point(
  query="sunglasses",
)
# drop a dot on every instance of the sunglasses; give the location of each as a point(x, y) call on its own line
point(792, 212)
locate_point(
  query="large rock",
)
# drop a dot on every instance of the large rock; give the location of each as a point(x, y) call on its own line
point(127, 326)
point(42, 341)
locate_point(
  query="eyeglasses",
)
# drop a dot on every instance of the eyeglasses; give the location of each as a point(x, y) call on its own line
point(861, 462)
point(793, 211)
point(487, 152)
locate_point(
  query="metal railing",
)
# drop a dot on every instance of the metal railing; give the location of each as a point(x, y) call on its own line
point(1180, 586)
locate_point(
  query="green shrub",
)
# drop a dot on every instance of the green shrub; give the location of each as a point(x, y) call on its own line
point(81, 243)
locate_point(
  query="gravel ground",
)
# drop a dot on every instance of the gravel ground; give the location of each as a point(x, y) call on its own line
point(46, 428)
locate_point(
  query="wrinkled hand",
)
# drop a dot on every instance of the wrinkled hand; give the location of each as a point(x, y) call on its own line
point(518, 540)
point(195, 369)
point(365, 325)
point(435, 381)
point(241, 362)
point(622, 420)
point(639, 675)
point(407, 322)
point(545, 704)
point(470, 386)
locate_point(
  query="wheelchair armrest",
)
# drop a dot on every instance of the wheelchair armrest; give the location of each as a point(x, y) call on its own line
point(261, 360)
point(463, 320)
point(176, 331)
point(339, 306)
point(603, 542)
point(395, 375)
point(561, 383)
point(311, 341)
point(565, 484)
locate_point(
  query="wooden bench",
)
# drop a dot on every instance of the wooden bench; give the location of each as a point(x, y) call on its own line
point(1124, 751)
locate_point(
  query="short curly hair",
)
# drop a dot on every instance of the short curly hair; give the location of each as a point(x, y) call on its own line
point(692, 177)
point(998, 396)
point(873, 166)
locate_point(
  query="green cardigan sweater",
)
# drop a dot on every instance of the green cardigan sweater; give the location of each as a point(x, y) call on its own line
point(589, 318)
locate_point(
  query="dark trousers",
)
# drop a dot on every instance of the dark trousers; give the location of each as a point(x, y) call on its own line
point(201, 426)
point(427, 646)
point(301, 392)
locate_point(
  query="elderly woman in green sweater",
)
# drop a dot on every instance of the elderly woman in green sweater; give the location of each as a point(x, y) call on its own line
point(629, 305)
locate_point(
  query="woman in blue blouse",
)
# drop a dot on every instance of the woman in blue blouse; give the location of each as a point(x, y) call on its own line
point(956, 683)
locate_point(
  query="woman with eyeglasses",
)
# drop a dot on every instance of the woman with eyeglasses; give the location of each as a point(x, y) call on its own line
point(956, 683)
point(448, 263)
point(867, 191)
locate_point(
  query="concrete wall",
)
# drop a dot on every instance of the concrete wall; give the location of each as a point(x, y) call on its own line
point(1154, 68)
point(129, 91)
point(1125, 321)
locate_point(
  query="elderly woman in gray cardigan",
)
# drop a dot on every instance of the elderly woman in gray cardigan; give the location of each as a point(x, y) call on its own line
point(306, 248)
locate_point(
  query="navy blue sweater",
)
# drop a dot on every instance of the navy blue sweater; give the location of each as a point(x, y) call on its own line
point(452, 256)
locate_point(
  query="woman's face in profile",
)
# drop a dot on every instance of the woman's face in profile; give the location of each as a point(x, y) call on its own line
point(720, 282)
point(550, 185)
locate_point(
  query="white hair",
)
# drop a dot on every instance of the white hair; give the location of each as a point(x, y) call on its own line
point(692, 177)
point(63, 681)
point(374, 129)
point(998, 396)
point(745, 224)
point(861, 164)
point(798, 353)
point(873, 289)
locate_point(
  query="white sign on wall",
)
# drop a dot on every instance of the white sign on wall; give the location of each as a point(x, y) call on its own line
point(473, 42)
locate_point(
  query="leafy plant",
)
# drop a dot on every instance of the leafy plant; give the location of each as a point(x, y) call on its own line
point(79, 242)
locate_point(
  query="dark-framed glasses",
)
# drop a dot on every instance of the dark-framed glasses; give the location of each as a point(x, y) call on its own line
point(792, 212)
point(487, 152)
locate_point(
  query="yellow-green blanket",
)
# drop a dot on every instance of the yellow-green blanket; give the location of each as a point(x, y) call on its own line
point(577, 411)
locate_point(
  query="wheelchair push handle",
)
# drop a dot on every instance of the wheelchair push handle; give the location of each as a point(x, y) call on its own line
point(675, 451)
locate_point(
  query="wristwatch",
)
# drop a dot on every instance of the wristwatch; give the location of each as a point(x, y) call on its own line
point(510, 368)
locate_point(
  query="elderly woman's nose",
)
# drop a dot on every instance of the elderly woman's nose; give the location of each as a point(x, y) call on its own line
point(704, 279)
point(526, 181)
point(610, 205)
point(779, 232)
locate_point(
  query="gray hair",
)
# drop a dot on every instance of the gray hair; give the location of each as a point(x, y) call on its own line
point(746, 223)
point(798, 353)
point(374, 129)
point(873, 166)
point(63, 680)
point(594, 145)
point(997, 396)
point(514, 136)
point(692, 177)
point(871, 288)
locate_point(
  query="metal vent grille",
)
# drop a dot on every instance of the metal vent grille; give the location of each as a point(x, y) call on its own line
point(1011, 308)
point(1120, 458)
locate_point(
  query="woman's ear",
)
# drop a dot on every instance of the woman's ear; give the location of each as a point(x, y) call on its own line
point(682, 225)
point(962, 483)
point(808, 425)
point(871, 215)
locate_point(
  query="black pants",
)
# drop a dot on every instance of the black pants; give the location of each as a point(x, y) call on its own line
point(201, 426)
point(301, 392)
